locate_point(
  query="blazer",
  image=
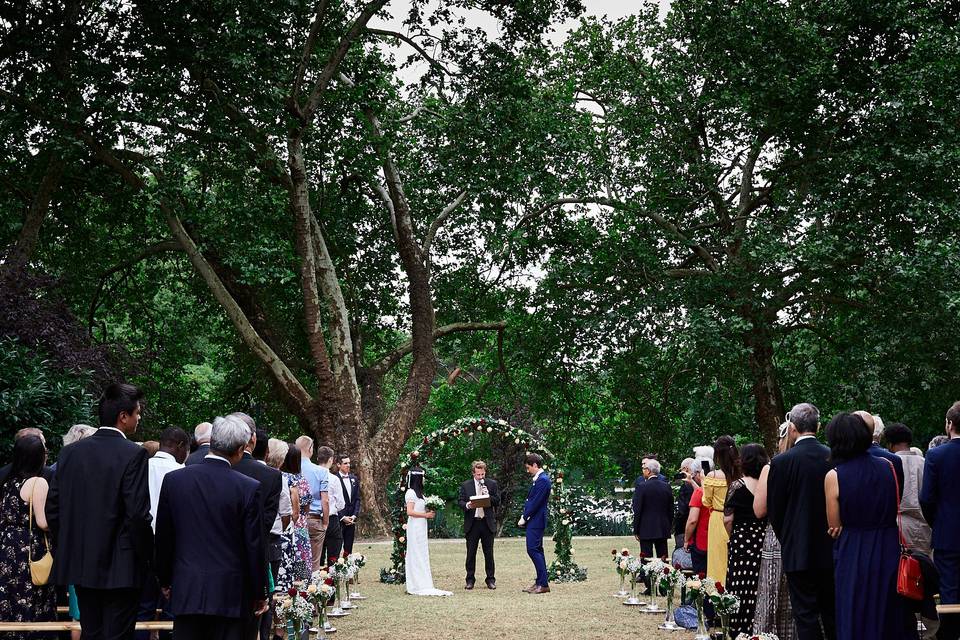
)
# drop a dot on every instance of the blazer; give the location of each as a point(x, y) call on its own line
point(939, 497)
point(797, 506)
point(468, 489)
point(683, 508)
point(271, 482)
point(652, 509)
point(879, 452)
point(535, 507)
point(209, 540)
point(352, 506)
point(99, 513)
point(198, 455)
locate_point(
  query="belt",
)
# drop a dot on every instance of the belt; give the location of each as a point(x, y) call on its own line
point(318, 516)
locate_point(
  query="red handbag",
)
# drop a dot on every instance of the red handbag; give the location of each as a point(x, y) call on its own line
point(909, 576)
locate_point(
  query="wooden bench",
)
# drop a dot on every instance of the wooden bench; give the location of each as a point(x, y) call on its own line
point(166, 625)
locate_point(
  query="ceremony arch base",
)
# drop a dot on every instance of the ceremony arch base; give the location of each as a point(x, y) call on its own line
point(562, 569)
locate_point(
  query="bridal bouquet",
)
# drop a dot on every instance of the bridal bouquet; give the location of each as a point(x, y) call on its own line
point(433, 503)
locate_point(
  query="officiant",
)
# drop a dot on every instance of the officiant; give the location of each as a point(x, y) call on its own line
point(479, 498)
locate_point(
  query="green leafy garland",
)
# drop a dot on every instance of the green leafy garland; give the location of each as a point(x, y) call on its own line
point(563, 569)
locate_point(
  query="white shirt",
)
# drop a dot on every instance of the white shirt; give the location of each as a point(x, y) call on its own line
point(348, 486)
point(476, 492)
point(158, 466)
point(117, 430)
point(804, 437)
point(335, 497)
point(286, 507)
point(537, 475)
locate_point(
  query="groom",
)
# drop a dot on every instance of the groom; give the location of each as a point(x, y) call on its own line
point(479, 523)
point(535, 520)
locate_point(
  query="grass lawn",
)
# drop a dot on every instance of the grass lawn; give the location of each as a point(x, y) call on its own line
point(575, 610)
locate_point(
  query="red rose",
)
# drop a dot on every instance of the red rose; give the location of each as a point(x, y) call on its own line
point(613, 552)
point(328, 582)
point(720, 588)
point(303, 594)
point(666, 571)
point(425, 441)
point(701, 575)
point(291, 592)
point(642, 555)
point(625, 553)
point(677, 566)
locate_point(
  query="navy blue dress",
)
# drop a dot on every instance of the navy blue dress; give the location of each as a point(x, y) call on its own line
point(867, 553)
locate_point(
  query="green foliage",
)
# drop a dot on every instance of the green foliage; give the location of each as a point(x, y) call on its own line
point(35, 393)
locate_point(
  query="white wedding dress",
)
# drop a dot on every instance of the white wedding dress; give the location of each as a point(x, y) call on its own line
point(419, 576)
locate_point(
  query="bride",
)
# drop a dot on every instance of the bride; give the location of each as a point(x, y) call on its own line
point(419, 576)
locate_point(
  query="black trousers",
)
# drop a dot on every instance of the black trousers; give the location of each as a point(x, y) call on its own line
point(151, 599)
point(698, 559)
point(348, 531)
point(479, 534)
point(108, 614)
point(812, 598)
point(199, 627)
point(647, 546)
point(273, 558)
point(333, 543)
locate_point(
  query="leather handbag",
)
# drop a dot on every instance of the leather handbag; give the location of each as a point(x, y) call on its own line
point(39, 569)
point(909, 574)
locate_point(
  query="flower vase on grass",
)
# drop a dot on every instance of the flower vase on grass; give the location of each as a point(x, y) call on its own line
point(340, 574)
point(724, 603)
point(634, 569)
point(296, 611)
point(621, 562)
point(653, 570)
point(357, 560)
point(670, 578)
point(695, 587)
point(321, 593)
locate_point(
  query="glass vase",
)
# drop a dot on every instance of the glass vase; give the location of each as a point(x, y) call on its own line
point(725, 626)
point(632, 598)
point(355, 594)
point(345, 602)
point(622, 592)
point(702, 633)
point(669, 624)
point(337, 609)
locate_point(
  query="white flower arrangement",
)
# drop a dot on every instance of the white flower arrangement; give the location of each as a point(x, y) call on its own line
point(433, 503)
point(758, 636)
point(357, 560)
point(295, 608)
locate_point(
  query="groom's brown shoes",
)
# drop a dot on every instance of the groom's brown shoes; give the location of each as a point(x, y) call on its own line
point(469, 585)
point(530, 588)
point(539, 589)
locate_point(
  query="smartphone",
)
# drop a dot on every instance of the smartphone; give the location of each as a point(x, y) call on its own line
point(705, 465)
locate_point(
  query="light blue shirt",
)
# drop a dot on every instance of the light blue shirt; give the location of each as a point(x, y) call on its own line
point(318, 478)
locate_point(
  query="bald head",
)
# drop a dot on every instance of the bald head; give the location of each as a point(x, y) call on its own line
point(201, 433)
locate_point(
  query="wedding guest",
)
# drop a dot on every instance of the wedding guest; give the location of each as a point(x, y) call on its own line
point(773, 612)
point(319, 515)
point(534, 518)
point(915, 529)
point(333, 542)
point(652, 510)
point(861, 504)
point(270, 495)
point(715, 485)
point(210, 551)
point(875, 426)
point(351, 510)
point(201, 433)
point(797, 510)
point(696, 533)
point(682, 511)
point(936, 441)
point(174, 443)
point(23, 537)
point(479, 523)
point(940, 502)
point(99, 513)
point(297, 562)
point(47, 472)
point(746, 537)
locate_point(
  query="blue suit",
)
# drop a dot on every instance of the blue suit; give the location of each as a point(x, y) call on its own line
point(940, 502)
point(535, 515)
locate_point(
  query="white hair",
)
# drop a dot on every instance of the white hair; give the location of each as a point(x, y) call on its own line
point(201, 433)
point(77, 432)
point(247, 420)
point(917, 450)
point(877, 428)
point(652, 466)
point(687, 464)
point(228, 434)
point(703, 454)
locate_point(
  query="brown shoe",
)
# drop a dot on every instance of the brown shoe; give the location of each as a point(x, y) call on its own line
point(469, 585)
point(539, 589)
point(530, 588)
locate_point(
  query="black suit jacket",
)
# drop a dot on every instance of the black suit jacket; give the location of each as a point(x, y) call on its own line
point(467, 489)
point(797, 508)
point(209, 540)
point(683, 508)
point(99, 513)
point(270, 482)
point(652, 508)
point(352, 506)
point(198, 455)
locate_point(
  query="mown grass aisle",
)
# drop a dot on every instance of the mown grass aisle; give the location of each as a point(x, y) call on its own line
point(583, 610)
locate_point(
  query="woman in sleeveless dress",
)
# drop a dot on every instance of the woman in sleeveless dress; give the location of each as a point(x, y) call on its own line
point(746, 537)
point(862, 503)
point(296, 561)
point(419, 577)
point(20, 599)
point(727, 459)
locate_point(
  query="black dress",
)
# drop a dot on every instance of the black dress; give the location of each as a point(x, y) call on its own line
point(743, 553)
point(20, 600)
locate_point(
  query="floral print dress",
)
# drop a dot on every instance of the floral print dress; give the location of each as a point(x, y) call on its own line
point(20, 599)
point(296, 559)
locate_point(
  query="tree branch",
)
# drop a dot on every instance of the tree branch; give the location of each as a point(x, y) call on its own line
point(391, 359)
point(438, 222)
point(308, 47)
point(29, 234)
point(416, 46)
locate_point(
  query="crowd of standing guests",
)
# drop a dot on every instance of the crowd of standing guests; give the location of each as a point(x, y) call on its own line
point(810, 541)
point(137, 528)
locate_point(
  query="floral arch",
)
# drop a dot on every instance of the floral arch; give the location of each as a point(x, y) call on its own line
point(562, 516)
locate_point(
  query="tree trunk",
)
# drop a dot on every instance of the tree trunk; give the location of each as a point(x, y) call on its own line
point(768, 399)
